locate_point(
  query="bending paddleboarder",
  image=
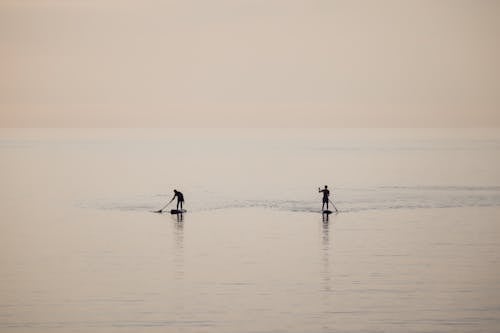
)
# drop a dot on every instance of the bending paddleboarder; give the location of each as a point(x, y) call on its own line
point(180, 201)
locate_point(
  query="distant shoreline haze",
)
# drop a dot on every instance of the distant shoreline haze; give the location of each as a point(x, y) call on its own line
point(238, 118)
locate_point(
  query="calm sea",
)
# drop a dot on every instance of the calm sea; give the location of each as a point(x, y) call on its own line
point(415, 247)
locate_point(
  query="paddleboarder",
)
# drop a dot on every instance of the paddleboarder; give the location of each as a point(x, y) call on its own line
point(180, 201)
point(326, 194)
point(180, 198)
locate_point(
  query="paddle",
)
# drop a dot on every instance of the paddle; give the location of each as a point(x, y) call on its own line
point(336, 210)
point(161, 210)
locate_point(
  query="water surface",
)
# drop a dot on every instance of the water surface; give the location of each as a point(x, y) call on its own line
point(415, 247)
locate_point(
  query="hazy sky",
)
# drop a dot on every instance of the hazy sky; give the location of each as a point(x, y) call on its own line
point(386, 63)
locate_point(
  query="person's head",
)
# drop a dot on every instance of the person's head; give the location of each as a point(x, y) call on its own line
point(326, 186)
point(175, 191)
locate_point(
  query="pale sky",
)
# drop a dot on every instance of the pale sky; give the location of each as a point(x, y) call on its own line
point(250, 63)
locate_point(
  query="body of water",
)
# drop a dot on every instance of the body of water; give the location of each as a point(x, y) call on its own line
point(415, 247)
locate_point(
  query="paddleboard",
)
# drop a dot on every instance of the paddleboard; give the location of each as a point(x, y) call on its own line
point(327, 212)
point(175, 211)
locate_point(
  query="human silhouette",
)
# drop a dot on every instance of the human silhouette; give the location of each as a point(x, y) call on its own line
point(180, 201)
point(326, 194)
point(180, 198)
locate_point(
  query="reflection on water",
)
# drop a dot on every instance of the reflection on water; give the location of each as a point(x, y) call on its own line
point(178, 217)
point(325, 273)
point(178, 233)
point(325, 254)
point(326, 218)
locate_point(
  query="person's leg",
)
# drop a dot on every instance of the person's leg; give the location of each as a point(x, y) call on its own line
point(327, 205)
point(177, 204)
point(181, 204)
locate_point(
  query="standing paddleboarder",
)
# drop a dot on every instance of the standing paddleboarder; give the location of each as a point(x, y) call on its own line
point(326, 194)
